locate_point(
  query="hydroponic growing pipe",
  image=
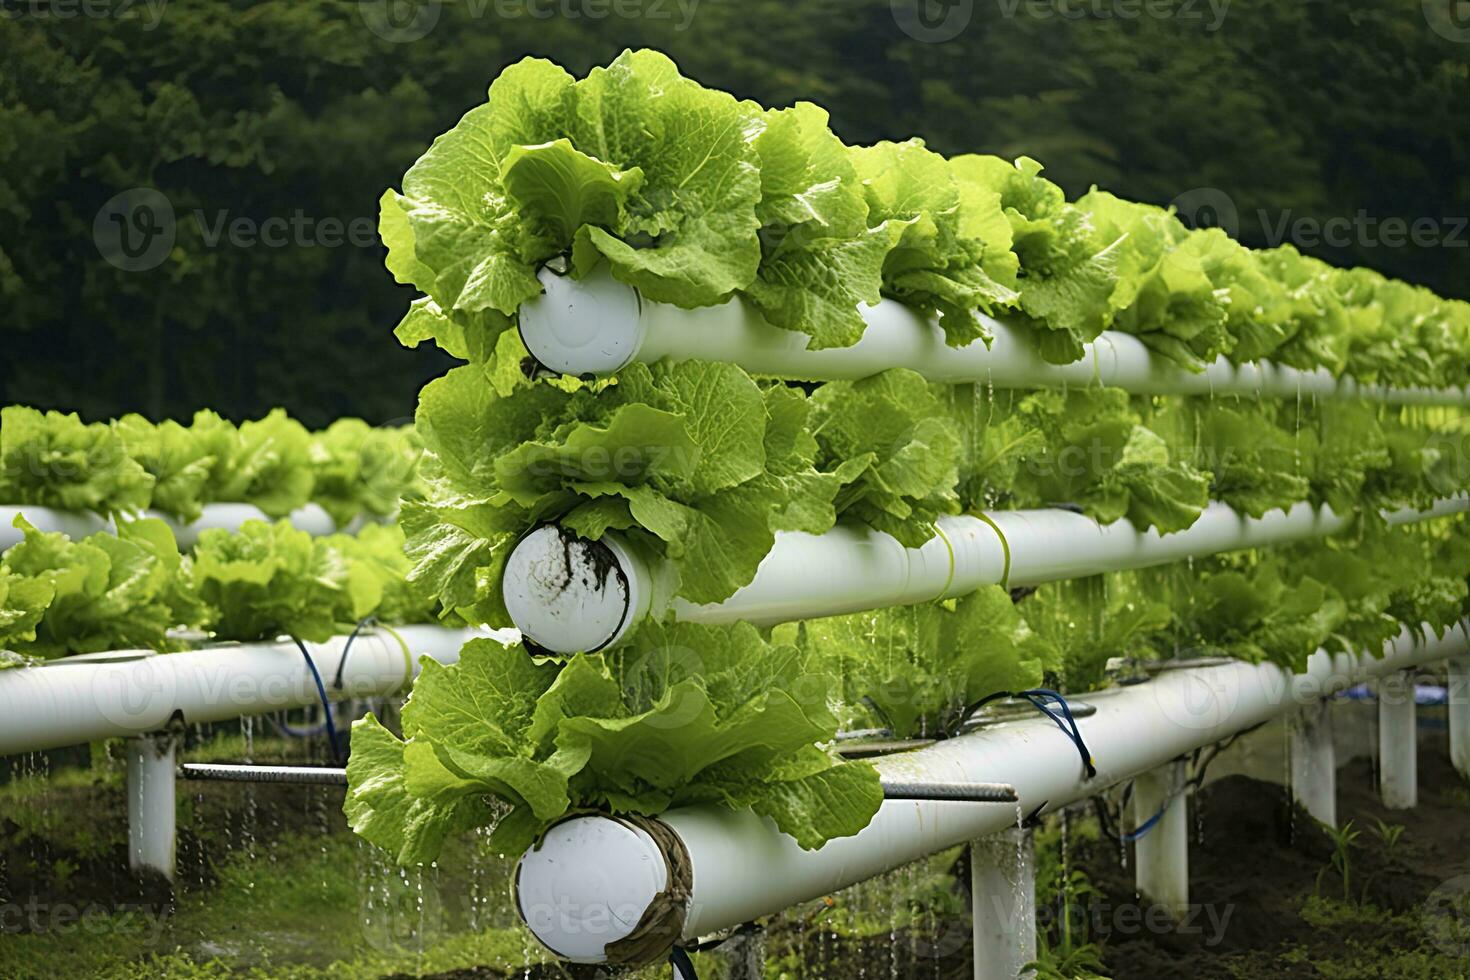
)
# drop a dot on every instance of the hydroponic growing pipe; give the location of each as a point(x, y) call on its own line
point(127, 693)
point(593, 881)
point(591, 603)
point(598, 325)
point(78, 524)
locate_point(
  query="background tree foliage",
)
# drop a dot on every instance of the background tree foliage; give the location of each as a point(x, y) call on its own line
point(236, 109)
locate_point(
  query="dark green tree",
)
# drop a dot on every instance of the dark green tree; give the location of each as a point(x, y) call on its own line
point(285, 117)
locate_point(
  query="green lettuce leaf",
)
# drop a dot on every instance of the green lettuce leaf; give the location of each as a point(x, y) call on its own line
point(23, 601)
point(889, 442)
point(917, 669)
point(684, 714)
point(55, 460)
point(108, 592)
point(633, 164)
point(820, 261)
point(1095, 453)
point(952, 242)
point(269, 580)
point(265, 462)
point(1067, 271)
point(359, 470)
point(675, 454)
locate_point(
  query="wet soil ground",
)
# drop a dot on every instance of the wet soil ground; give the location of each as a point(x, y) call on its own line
point(1258, 862)
point(1269, 901)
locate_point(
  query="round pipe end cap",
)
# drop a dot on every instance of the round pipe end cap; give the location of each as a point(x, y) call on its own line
point(588, 885)
point(583, 326)
point(567, 594)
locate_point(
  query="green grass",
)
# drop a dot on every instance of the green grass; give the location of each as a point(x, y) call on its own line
point(306, 906)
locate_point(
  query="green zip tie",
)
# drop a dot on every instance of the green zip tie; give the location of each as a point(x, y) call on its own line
point(407, 657)
point(950, 545)
point(1005, 547)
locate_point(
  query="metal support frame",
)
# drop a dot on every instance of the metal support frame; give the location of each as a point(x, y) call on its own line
point(1003, 897)
point(1314, 761)
point(152, 816)
point(1161, 855)
point(1398, 741)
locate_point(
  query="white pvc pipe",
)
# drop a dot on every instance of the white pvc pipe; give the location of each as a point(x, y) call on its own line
point(78, 524)
point(850, 569)
point(152, 814)
point(598, 325)
point(1003, 897)
point(744, 868)
point(85, 699)
point(1161, 855)
point(311, 518)
point(73, 523)
point(1314, 761)
point(1398, 741)
point(1459, 708)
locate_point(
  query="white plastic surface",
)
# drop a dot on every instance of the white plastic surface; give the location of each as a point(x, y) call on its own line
point(152, 811)
point(72, 702)
point(73, 523)
point(563, 598)
point(1398, 741)
point(1314, 761)
point(1003, 897)
point(1161, 856)
point(598, 324)
point(78, 524)
point(587, 326)
point(587, 885)
point(312, 519)
point(744, 868)
point(850, 569)
point(1459, 710)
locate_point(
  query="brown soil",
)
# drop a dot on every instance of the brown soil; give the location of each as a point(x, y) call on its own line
point(1260, 858)
point(1256, 858)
